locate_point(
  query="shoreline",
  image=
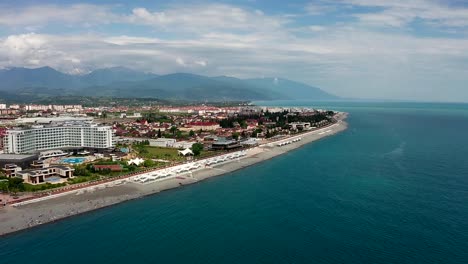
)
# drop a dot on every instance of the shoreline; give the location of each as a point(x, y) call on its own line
point(21, 217)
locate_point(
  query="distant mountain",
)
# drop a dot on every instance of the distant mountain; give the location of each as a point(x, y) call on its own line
point(123, 82)
point(291, 89)
point(17, 78)
point(115, 74)
point(183, 86)
point(47, 77)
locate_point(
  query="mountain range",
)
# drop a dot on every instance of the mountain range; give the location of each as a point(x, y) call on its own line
point(123, 82)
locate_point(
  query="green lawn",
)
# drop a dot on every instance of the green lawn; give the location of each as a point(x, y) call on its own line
point(170, 154)
point(148, 152)
point(81, 179)
point(207, 154)
point(41, 187)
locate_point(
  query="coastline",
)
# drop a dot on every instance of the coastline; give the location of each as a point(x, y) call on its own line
point(34, 213)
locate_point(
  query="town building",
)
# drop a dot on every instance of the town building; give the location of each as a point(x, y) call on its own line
point(22, 160)
point(162, 142)
point(225, 145)
point(110, 167)
point(300, 125)
point(205, 126)
point(73, 135)
point(8, 111)
point(53, 174)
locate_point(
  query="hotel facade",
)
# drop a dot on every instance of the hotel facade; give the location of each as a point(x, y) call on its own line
point(58, 136)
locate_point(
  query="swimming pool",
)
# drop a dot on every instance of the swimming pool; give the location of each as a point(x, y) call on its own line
point(53, 179)
point(73, 160)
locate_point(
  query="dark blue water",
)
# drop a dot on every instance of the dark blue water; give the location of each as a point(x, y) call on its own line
point(393, 188)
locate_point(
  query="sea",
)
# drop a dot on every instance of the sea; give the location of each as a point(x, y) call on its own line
point(392, 188)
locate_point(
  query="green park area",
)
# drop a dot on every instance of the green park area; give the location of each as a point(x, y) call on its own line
point(87, 172)
point(169, 154)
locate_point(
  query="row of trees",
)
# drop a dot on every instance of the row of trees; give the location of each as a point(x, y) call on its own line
point(155, 118)
point(12, 184)
point(88, 169)
point(283, 118)
point(233, 121)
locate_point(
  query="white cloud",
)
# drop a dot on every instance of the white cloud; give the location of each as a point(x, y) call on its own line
point(39, 15)
point(125, 40)
point(181, 62)
point(316, 28)
point(205, 18)
point(320, 7)
point(201, 63)
point(19, 45)
point(398, 13)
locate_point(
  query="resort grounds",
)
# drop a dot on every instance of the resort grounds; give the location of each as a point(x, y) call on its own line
point(87, 197)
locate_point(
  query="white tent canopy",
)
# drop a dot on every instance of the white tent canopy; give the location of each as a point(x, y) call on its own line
point(136, 162)
point(185, 152)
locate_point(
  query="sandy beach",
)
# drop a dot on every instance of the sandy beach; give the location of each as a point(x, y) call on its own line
point(49, 209)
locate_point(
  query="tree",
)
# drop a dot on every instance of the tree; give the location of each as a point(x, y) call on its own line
point(235, 135)
point(159, 133)
point(81, 170)
point(243, 124)
point(148, 163)
point(16, 184)
point(173, 130)
point(256, 131)
point(197, 148)
point(191, 133)
point(4, 184)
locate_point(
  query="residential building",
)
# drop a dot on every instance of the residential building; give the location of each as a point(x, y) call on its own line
point(54, 174)
point(162, 142)
point(11, 170)
point(183, 144)
point(111, 167)
point(195, 126)
point(300, 125)
point(225, 145)
point(22, 160)
point(73, 135)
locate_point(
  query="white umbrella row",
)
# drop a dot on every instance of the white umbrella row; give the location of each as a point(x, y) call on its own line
point(185, 168)
point(284, 143)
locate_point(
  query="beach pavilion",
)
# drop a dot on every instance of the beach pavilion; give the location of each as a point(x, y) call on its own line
point(186, 152)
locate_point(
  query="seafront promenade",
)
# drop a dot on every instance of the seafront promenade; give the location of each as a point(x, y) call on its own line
point(68, 201)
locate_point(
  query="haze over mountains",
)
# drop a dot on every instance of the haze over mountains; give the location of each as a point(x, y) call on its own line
point(123, 82)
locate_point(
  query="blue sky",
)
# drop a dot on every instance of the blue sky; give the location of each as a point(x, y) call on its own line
point(412, 50)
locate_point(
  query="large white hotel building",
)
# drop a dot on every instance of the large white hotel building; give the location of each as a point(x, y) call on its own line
point(75, 135)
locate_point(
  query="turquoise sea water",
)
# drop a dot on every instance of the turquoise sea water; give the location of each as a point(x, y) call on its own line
point(393, 188)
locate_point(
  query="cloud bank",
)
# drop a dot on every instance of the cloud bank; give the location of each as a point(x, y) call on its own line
point(353, 48)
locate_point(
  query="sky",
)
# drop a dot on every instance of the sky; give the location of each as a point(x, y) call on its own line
point(376, 49)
